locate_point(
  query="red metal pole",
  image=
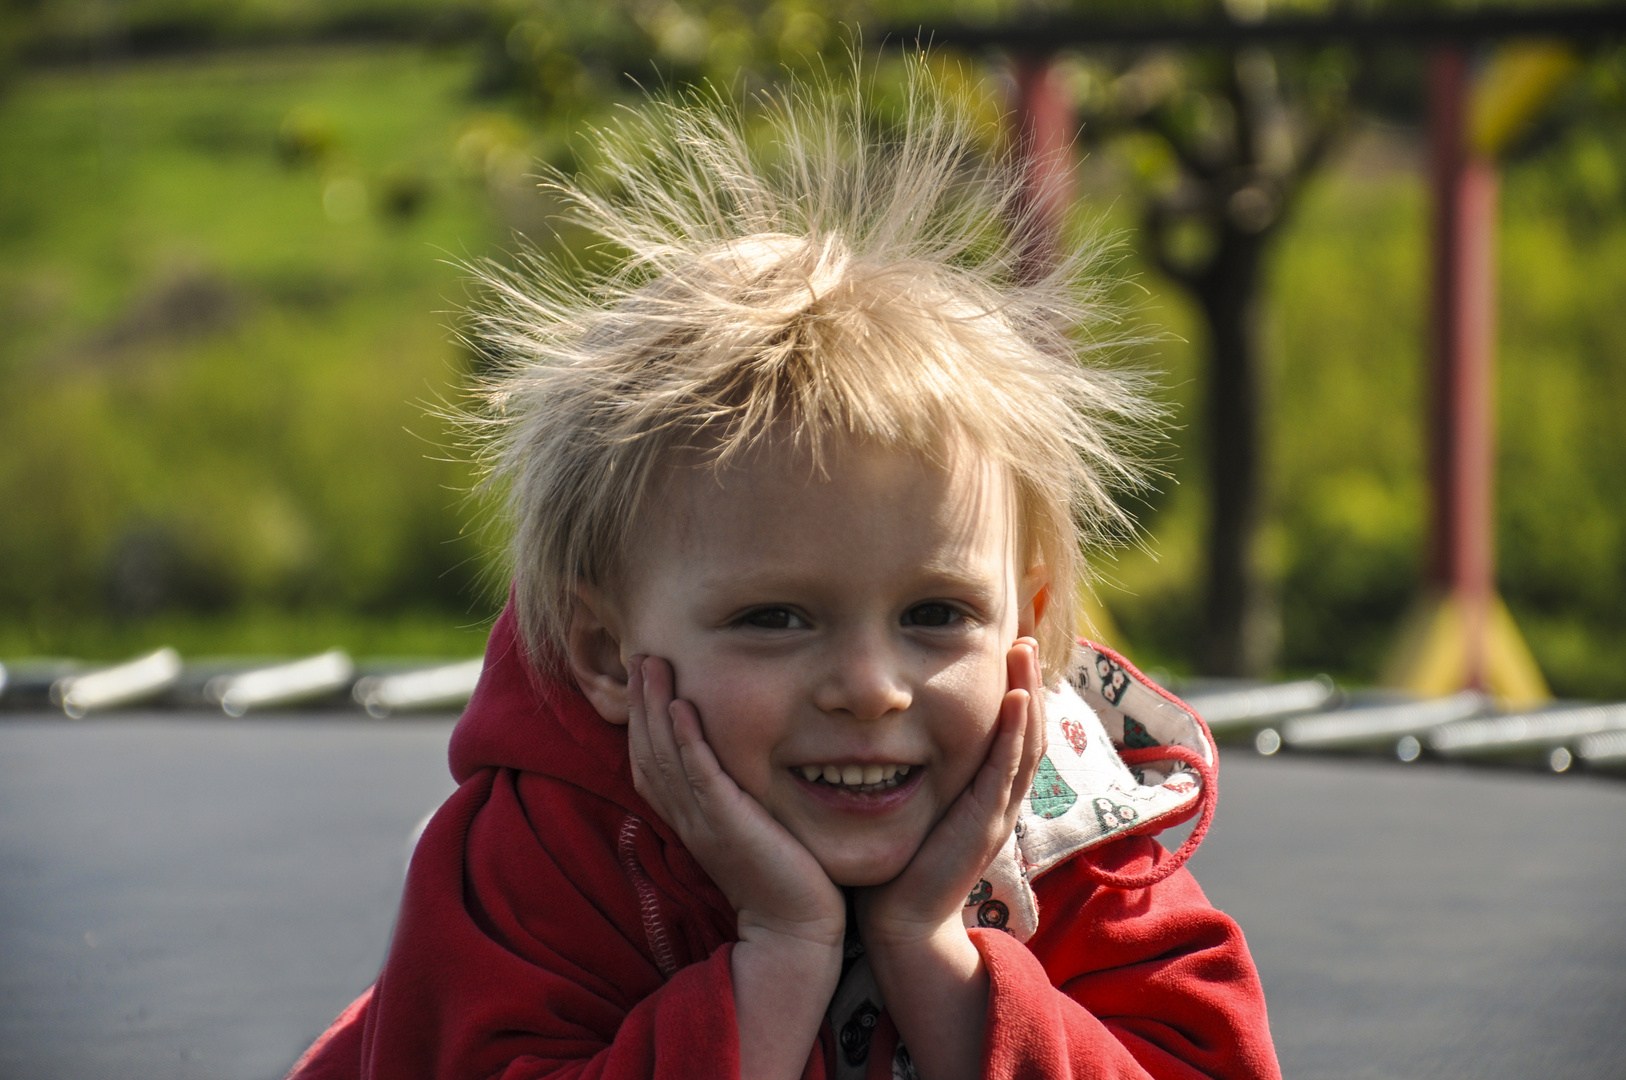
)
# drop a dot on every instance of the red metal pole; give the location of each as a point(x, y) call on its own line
point(1461, 444)
point(1045, 126)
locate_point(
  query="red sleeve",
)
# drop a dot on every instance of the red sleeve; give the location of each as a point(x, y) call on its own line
point(685, 1029)
point(1140, 983)
point(520, 953)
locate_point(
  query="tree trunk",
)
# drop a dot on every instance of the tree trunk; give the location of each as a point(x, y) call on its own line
point(1239, 628)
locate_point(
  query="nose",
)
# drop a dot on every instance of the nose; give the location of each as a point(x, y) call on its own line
point(864, 678)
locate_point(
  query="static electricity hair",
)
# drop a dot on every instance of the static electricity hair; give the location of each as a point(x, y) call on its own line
point(800, 271)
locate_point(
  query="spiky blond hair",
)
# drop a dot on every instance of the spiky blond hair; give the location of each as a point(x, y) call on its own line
point(803, 271)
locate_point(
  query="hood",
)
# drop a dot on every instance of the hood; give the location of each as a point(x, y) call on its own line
point(520, 719)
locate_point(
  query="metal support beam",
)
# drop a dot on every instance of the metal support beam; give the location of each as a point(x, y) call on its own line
point(1045, 130)
point(1587, 25)
point(1460, 635)
point(1463, 313)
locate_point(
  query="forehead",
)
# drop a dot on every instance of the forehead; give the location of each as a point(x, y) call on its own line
point(861, 509)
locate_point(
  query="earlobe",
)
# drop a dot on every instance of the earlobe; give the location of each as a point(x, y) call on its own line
point(1035, 597)
point(593, 653)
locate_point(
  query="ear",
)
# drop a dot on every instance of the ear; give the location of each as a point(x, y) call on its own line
point(593, 654)
point(1035, 596)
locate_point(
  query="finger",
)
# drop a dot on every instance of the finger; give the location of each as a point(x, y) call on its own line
point(658, 708)
point(1022, 665)
point(1033, 743)
point(1023, 671)
point(637, 720)
point(1019, 707)
point(1033, 749)
point(1006, 757)
point(700, 766)
point(665, 762)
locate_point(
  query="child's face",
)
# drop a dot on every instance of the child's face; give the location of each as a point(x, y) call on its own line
point(841, 627)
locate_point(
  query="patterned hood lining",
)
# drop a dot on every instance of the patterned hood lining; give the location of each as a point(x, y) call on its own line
point(1124, 757)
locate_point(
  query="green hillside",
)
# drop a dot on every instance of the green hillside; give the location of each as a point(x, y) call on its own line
point(227, 287)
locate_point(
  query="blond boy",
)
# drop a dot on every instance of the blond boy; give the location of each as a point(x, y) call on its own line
point(780, 765)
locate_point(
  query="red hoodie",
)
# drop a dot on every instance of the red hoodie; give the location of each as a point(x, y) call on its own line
point(553, 926)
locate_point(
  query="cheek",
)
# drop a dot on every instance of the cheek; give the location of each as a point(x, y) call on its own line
point(741, 720)
point(970, 693)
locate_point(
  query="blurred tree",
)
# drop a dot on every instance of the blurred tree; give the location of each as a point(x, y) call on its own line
point(1221, 142)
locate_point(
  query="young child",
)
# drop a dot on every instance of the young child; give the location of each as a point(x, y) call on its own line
point(785, 761)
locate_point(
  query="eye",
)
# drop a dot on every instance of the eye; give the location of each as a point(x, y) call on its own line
point(933, 613)
point(774, 618)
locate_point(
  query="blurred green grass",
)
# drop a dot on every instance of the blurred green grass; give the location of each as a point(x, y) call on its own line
point(216, 348)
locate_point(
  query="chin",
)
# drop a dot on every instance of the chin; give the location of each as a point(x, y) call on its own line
point(859, 873)
point(859, 879)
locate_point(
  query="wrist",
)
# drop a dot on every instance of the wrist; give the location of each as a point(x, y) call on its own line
point(794, 935)
point(889, 933)
point(944, 949)
point(814, 964)
point(936, 988)
point(782, 987)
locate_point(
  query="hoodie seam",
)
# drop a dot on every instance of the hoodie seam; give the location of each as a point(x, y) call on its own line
point(660, 943)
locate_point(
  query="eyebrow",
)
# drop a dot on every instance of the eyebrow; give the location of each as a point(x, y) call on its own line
point(929, 577)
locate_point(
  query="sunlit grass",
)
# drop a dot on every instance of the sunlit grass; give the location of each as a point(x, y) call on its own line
point(201, 347)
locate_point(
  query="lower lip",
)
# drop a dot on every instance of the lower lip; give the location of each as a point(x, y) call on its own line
point(859, 802)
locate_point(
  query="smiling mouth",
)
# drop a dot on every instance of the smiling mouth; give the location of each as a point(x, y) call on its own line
point(858, 778)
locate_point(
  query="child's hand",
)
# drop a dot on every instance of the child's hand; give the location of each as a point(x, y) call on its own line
point(929, 972)
point(792, 918)
point(932, 888)
point(774, 883)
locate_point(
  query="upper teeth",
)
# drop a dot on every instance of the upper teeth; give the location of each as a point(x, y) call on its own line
point(854, 775)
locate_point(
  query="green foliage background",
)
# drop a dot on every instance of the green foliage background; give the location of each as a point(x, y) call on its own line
point(1347, 288)
point(217, 342)
point(227, 281)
